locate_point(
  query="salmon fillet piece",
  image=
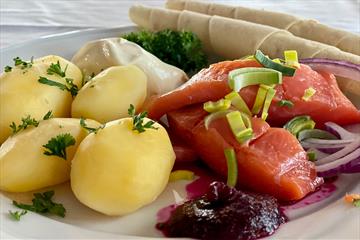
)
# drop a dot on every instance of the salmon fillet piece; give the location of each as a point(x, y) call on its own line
point(273, 162)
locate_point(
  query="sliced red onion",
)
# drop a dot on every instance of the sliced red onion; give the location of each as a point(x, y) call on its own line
point(329, 142)
point(322, 146)
point(341, 132)
point(345, 151)
point(339, 68)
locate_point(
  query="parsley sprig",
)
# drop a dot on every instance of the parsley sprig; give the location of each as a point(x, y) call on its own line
point(16, 215)
point(138, 120)
point(42, 203)
point(69, 86)
point(56, 146)
point(28, 121)
point(89, 129)
point(56, 69)
point(18, 62)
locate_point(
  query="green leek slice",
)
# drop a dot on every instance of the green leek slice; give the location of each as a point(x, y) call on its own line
point(220, 105)
point(269, 97)
point(311, 156)
point(268, 63)
point(286, 103)
point(291, 58)
point(308, 93)
point(238, 127)
point(181, 175)
point(213, 116)
point(244, 77)
point(315, 133)
point(238, 102)
point(260, 98)
point(299, 123)
point(231, 162)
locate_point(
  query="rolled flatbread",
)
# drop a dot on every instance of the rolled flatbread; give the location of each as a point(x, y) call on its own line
point(304, 28)
point(232, 39)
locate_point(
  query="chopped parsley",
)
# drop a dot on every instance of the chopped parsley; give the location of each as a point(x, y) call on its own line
point(138, 120)
point(56, 69)
point(48, 115)
point(286, 103)
point(42, 203)
point(57, 145)
point(28, 121)
point(7, 69)
point(18, 62)
point(70, 86)
point(90, 129)
point(16, 215)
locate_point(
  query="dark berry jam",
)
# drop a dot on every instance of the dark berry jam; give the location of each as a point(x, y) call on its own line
point(224, 213)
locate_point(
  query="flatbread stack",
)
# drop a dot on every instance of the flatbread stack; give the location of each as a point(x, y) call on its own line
point(234, 38)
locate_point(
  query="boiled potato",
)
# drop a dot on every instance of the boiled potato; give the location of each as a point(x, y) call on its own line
point(109, 94)
point(118, 170)
point(21, 94)
point(23, 164)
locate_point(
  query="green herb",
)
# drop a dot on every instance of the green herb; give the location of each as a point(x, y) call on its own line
point(48, 115)
point(70, 86)
point(286, 103)
point(23, 64)
point(16, 215)
point(90, 129)
point(356, 202)
point(56, 69)
point(42, 203)
point(179, 48)
point(8, 69)
point(27, 121)
point(138, 120)
point(311, 156)
point(231, 163)
point(57, 145)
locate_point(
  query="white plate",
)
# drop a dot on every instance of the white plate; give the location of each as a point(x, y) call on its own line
point(328, 219)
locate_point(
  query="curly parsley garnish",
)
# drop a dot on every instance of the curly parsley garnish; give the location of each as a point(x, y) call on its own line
point(90, 129)
point(138, 120)
point(42, 203)
point(56, 69)
point(70, 86)
point(16, 215)
point(57, 145)
point(28, 121)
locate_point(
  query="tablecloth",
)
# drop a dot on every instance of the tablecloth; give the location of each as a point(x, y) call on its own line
point(22, 20)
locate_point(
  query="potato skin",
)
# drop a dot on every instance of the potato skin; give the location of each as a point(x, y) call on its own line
point(21, 94)
point(23, 164)
point(118, 170)
point(109, 94)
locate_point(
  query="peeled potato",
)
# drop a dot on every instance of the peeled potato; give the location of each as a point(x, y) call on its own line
point(108, 96)
point(118, 170)
point(21, 94)
point(23, 164)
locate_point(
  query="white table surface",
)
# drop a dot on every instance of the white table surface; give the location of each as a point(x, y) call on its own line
point(22, 20)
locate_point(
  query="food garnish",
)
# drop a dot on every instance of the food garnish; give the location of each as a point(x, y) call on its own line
point(220, 105)
point(308, 93)
point(70, 86)
point(311, 156)
point(57, 145)
point(231, 163)
point(286, 103)
point(28, 121)
point(269, 97)
point(89, 129)
point(181, 175)
point(238, 102)
point(7, 69)
point(298, 124)
point(291, 58)
point(241, 132)
point(353, 198)
point(260, 98)
point(16, 215)
point(42, 203)
point(315, 133)
point(213, 116)
point(48, 115)
point(268, 63)
point(56, 69)
point(179, 48)
point(138, 120)
point(19, 62)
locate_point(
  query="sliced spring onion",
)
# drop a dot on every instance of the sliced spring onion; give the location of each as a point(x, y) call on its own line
point(238, 102)
point(311, 156)
point(315, 133)
point(277, 60)
point(231, 162)
point(259, 100)
point(291, 58)
point(299, 123)
point(268, 63)
point(286, 103)
point(181, 175)
point(244, 77)
point(220, 105)
point(246, 119)
point(248, 57)
point(308, 93)
point(238, 127)
point(269, 97)
point(213, 116)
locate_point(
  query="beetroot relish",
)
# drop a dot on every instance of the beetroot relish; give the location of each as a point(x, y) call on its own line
point(224, 213)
